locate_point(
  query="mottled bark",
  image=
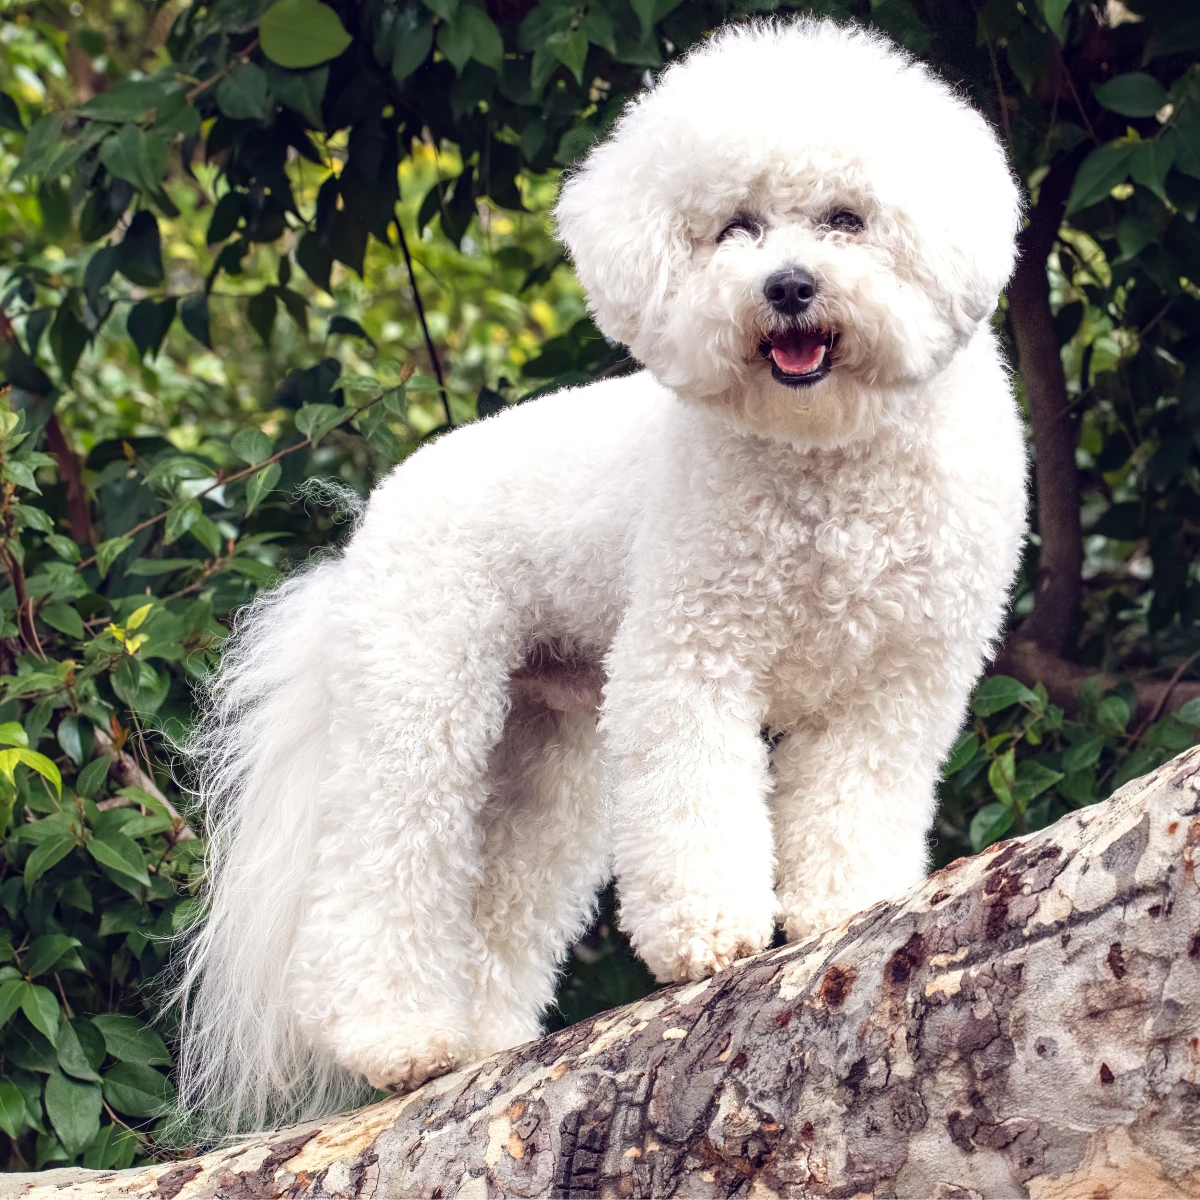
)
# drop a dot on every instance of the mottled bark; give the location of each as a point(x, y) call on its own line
point(1023, 1023)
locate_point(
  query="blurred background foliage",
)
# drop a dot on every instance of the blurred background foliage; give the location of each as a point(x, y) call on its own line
point(252, 253)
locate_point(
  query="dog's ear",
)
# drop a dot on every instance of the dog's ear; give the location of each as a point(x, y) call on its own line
point(979, 226)
point(621, 236)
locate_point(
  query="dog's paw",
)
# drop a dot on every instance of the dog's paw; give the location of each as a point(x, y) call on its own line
point(399, 1055)
point(691, 941)
point(803, 920)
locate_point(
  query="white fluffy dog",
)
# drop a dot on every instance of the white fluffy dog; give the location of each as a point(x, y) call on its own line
point(804, 514)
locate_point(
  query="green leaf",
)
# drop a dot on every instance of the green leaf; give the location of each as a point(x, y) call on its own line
point(1133, 95)
point(120, 854)
point(73, 1057)
point(260, 573)
point(260, 312)
point(302, 92)
point(65, 619)
point(73, 1107)
point(316, 420)
point(126, 102)
point(76, 737)
point(109, 551)
point(12, 992)
point(91, 778)
point(12, 1109)
point(301, 33)
point(63, 547)
point(1189, 713)
point(140, 686)
point(1082, 754)
point(112, 1149)
point(138, 1091)
point(571, 51)
point(1055, 13)
point(42, 147)
point(180, 518)
point(148, 323)
point(350, 328)
point(45, 952)
point(127, 1039)
point(1032, 779)
point(1079, 787)
point(11, 734)
point(43, 766)
point(139, 253)
point(1150, 163)
point(251, 446)
point(34, 518)
point(1002, 776)
point(1113, 714)
point(999, 692)
point(209, 536)
point(19, 473)
point(260, 485)
point(40, 1005)
point(246, 94)
point(10, 118)
point(128, 156)
point(414, 41)
point(193, 313)
point(1099, 173)
point(44, 856)
point(1136, 765)
point(990, 824)
point(964, 751)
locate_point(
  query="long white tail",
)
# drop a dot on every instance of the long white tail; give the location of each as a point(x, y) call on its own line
point(260, 753)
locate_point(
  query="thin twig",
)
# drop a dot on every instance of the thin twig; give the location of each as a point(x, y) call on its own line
point(405, 375)
point(130, 774)
point(239, 58)
point(63, 994)
point(1156, 711)
point(433, 355)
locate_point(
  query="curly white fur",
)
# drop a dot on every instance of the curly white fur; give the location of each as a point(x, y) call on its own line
point(404, 844)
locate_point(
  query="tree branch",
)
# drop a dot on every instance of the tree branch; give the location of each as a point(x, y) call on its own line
point(128, 772)
point(1019, 1024)
point(70, 471)
point(1026, 661)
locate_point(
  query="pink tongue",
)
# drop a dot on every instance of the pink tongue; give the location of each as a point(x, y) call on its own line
point(798, 353)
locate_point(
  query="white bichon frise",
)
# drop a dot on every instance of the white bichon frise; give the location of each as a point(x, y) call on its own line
point(804, 514)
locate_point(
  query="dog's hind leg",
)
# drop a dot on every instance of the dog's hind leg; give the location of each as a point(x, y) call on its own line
point(545, 857)
point(384, 964)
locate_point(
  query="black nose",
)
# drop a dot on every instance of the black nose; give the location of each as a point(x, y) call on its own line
point(790, 291)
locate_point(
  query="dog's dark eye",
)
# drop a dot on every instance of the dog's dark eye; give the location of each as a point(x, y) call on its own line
point(844, 221)
point(741, 224)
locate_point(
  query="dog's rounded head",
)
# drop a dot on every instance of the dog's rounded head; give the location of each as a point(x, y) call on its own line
point(797, 225)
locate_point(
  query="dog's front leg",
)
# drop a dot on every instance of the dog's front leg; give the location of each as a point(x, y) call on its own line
point(688, 781)
point(852, 807)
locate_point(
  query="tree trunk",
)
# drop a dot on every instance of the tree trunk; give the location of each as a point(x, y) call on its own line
point(1022, 1023)
point(1059, 584)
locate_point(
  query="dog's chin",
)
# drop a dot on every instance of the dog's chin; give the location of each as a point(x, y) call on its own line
point(799, 358)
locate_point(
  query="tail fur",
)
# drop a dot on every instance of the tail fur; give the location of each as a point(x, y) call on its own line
point(260, 752)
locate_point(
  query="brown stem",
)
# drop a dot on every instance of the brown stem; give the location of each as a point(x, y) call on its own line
point(128, 772)
point(1026, 661)
point(1059, 587)
point(70, 471)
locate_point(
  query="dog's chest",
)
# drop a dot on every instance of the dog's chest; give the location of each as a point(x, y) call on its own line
point(841, 571)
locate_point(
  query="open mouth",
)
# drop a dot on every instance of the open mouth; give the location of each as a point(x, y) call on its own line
point(799, 357)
